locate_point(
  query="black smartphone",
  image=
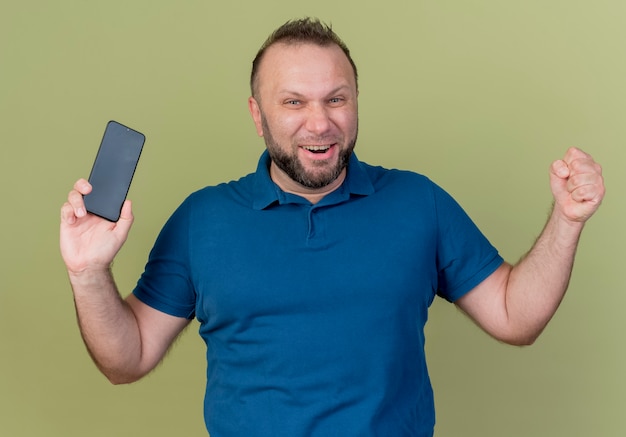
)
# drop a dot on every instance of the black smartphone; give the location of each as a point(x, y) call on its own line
point(113, 170)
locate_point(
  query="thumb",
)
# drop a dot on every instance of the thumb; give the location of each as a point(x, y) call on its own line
point(125, 222)
point(559, 174)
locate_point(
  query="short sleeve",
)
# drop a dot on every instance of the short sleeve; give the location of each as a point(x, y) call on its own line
point(166, 283)
point(465, 257)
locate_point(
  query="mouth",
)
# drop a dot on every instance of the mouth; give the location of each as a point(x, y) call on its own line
point(318, 149)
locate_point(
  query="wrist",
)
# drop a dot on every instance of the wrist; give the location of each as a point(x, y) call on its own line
point(89, 275)
point(563, 230)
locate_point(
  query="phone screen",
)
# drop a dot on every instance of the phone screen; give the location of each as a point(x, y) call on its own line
point(113, 170)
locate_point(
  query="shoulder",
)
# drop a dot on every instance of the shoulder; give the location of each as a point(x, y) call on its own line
point(379, 173)
point(401, 181)
point(412, 193)
point(211, 202)
point(223, 193)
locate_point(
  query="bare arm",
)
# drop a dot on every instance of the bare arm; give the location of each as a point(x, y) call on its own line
point(516, 302)
point(126, 338)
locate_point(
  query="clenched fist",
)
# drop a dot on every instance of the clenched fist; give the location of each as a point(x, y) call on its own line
point(577, 185)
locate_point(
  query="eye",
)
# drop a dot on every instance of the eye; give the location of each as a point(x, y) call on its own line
point(336, 100)
point(292, 102)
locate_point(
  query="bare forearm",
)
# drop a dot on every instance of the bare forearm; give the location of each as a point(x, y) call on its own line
point(538, 282)
point(108, 325)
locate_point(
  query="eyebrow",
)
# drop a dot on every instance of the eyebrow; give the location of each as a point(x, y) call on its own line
point(332, 92)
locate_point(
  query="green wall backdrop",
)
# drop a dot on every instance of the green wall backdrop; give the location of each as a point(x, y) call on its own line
point(479, 95)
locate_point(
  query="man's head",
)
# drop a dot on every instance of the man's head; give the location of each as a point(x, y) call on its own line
point(303, 31)
point(304, 104)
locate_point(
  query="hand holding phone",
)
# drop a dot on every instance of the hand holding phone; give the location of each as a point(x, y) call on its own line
point(113, 170)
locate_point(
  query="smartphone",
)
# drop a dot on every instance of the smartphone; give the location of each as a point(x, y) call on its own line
point(113, 170)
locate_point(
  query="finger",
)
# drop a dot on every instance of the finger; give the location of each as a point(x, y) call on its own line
point(573, 154)
point(586, 193)
point(580, 162)
point(587, 175)
point(559, 174)
point(75, 200)
point(585, 181)
point(127, 210)
point(560, 169)
point(586, 187)
point(82, 186)
point(126, 218)
point(585, 167)
point(577, 168)
point(67, 214)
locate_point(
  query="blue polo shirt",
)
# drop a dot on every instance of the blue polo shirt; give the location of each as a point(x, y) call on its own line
point(314, 315)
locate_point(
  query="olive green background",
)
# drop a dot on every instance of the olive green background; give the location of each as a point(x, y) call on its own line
point(480, 95)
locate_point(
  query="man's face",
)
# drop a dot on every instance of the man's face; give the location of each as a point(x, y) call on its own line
point(306, 110)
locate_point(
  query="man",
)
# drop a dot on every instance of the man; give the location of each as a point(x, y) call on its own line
point(312, 277)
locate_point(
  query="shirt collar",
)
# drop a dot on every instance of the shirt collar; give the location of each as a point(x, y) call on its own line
point(266, 192)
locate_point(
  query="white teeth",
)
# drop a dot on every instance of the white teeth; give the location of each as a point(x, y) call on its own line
point(317, 148)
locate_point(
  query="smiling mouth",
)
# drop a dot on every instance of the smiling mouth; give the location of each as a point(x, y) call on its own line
point(318, 149)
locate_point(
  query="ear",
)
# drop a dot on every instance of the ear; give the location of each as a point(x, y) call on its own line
point(255, 112)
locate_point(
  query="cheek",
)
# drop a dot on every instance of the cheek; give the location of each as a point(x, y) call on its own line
point(285, 127)
point(348, 123)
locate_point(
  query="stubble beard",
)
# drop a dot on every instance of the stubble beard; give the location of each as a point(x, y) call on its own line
point(323, 174)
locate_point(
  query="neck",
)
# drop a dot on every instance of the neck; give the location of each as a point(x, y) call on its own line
point(313, 195)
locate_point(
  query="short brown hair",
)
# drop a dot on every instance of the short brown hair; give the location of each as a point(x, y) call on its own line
point(305, 30)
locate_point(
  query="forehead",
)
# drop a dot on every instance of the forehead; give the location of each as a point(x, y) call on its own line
point(304, 66)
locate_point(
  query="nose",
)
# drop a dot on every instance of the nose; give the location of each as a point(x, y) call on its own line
point(318, 119)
